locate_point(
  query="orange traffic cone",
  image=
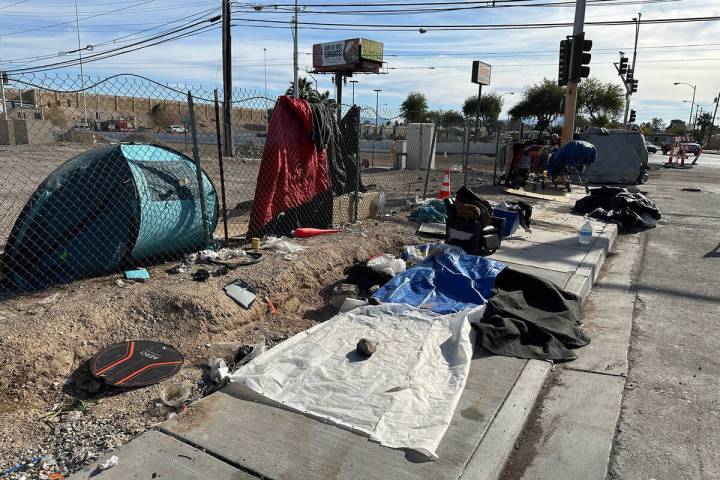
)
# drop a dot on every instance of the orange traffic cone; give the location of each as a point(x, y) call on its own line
point(672, 154)
point(445, 187)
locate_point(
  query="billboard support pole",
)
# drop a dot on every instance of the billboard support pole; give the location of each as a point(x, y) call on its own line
point(477, 113)
point(338, 93)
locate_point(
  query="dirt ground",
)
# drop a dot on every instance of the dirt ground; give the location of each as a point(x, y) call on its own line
point(46, 338)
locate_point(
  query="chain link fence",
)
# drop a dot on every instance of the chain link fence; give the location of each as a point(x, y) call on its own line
point(102, 175)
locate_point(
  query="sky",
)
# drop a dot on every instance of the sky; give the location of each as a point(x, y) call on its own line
point(667, 53)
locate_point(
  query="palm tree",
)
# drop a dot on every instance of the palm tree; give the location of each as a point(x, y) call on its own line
point(308, 93)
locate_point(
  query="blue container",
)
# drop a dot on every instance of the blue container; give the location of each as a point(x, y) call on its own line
point(512, 220)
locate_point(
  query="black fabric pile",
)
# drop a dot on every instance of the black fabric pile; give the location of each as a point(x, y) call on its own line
point(365, 277)
point(629, 210)
point(528, 317)
point(524, 212)
point(341, 142)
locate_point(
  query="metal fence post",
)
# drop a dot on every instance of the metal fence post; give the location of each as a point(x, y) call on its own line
point(222, 165)
point(497, 151)
point(198, 168)
point(427, 172)
point(466, 152)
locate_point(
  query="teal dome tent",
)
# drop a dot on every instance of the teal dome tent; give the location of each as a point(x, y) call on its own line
point(107, 208)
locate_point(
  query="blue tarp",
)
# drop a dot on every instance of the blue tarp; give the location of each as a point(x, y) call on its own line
point(446, 283)
point(573, 154)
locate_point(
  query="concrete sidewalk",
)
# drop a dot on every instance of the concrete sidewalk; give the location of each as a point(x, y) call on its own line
point(236, 438)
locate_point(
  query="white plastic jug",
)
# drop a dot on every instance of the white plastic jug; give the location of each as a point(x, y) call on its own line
point(586, 233)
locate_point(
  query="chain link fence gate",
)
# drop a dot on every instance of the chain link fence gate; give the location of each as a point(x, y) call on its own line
point(133, 194)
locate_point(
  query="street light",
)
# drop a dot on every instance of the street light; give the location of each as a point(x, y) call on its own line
point(377, 107)
point(692, 106)
point(353, 83)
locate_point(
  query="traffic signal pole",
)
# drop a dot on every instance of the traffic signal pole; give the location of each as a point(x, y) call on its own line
point(628, 88)
point(227, 80)
point(571, 91)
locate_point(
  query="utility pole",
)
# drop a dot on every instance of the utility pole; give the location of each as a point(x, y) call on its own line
point(227, 80)
point(712, 124)
point(82, 77)
point(477, 111)
point(377, 106)
point(628, 88)
point(571, 92)
point(296, 93)
point(353, 87)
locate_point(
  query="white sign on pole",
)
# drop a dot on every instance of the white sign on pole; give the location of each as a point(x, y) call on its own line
point(481, 73)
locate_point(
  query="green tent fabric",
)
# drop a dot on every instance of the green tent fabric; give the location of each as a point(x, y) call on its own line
point(106, 208)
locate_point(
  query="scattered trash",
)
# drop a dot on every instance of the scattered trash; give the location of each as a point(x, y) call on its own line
point(18, 467)
point(290, 257)
point(430, 210)
point(629, 210)
point(283, 245)
point(136, 363)
point(416, 253)
point(387, 263)
point(366, 347)
point(255, 242)
point(228, 351)
point(109, 463)
point(201, 275)
point(182, 268)
point(273, 310)
point(219, 371)
point(250, 258)
point(249, 352)
point(51, 299)
point(222, 254)
point(432, 229)
point(692, 189)
point(241, 292)
point(304, 232)
point(119, 283)
point(140, 275)
point(342, 292)
point(175, 394)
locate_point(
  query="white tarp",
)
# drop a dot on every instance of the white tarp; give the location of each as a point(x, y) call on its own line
point(403, 396)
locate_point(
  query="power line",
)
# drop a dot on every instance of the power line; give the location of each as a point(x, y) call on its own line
point(17, 32)
point(466, 27)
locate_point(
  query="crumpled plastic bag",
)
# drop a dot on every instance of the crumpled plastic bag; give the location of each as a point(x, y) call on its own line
point(282, 245)
point(388, 264)
point(222, 254)
point(416, 253)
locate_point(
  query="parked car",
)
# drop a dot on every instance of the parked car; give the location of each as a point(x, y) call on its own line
point(650, 147)
point(176, 129)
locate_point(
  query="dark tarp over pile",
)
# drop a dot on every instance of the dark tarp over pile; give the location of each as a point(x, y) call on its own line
point(528, 317)
point(617, 205)
point(306, 159)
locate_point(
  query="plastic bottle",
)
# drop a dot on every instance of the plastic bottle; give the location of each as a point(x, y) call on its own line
point(586, 233)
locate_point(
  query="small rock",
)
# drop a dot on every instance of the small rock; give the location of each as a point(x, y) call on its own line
point(366, 347)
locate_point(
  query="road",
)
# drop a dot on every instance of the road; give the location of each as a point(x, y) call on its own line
point(670, 418)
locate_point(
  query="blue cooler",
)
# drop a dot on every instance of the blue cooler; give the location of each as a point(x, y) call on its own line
point(512, 220)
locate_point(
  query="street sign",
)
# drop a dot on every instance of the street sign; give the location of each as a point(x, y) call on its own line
point(481, 73)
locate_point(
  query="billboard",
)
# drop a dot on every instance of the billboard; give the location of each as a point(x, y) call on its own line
point(353, 55)
point(481, 73)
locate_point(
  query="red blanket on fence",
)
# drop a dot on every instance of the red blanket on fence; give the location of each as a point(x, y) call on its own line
point(292, 171)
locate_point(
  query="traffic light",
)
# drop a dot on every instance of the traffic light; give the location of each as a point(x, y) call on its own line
point(633, 87)
point(629, 76)
point(580, 64)
point(632, 117)
point(4, 78)
point(563, 73)
point(623, 68)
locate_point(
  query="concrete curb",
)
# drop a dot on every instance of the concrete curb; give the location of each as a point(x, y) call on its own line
point(489, 459)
